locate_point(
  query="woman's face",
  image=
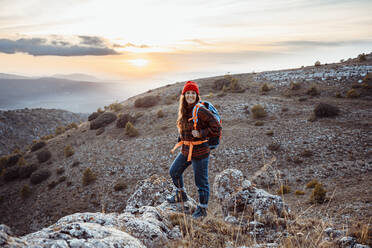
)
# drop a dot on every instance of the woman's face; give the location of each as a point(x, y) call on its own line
point(190, 96)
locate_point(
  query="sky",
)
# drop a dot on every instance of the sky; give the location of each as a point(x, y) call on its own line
point(176, 40)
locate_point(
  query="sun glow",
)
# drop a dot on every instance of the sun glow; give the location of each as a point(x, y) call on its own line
point(139, 62)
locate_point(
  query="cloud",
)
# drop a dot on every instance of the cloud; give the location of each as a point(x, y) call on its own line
point(41, 47)
point(130, 45)
point(310, 43)
point(92, 41)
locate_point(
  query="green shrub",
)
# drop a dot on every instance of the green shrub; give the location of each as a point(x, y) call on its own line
point(130, 130)
point(69, 151)
point(60, 130)
point(318, 195)
point(284, 189)
point(43, 156)
point(88, 177)
point(312, 183)
point(38, 146)
point(352, 93)
point(258, 111)
point(25, 191)
point(40, 176)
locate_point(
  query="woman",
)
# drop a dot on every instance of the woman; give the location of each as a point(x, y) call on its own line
point(194, 141)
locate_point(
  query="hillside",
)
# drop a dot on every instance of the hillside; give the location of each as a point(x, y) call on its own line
point(289, 146)
point(18, 128)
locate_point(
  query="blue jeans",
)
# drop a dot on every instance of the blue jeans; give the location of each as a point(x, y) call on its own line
point(200, 167)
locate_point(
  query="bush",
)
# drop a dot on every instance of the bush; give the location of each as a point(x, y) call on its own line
point(258, 111)
point(75, 163)
point(60, 170)
point(11, 173)
point(94, 115)
point(37, 146)
point(146, 102)
point(284, 189)
point(25, 191)
point(313, 91)
point(52, 184)
point(312, 184)
point(88, 177)
point(299, 192)
point(318, 194)
point(120, 186)
point(115, 107)
point(228, 83)
point(69, 151)
point(130, 130)
point(294, 86)
point(43, 156)
point(273, 146)
point(361, 232)
point(123, 120)
point(362, 57)
point(40, 176)
point(326, 110)
point(265, 88)
point(259, 123)
point(100, 111)
point(160, 114)
point(71, 126)
point(26, 171)
point(102, 120)
point(12, 160)
point(352, 93)
point(60, 130)
point(47, 137)
point(317, 63)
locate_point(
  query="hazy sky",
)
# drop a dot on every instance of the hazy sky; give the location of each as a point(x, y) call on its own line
point(172, 40)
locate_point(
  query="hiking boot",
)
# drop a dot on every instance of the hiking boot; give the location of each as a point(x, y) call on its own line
point(200, 212)
point(180, 196)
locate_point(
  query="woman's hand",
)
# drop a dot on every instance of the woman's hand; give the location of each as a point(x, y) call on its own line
point(195, 133)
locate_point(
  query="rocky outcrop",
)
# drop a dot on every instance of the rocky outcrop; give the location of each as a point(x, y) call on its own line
point(102, 120)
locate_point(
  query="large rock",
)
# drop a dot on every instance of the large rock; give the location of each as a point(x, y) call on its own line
point(8, 240)
point(227, 182)
point(102, 120)
point(152, 192)
point(83, 230)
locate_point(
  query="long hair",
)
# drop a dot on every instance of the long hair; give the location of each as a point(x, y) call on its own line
point(182, 119)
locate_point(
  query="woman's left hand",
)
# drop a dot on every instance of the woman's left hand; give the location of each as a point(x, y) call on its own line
point(196, 133)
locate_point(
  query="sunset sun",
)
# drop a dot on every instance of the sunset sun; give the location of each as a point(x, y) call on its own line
point(139, 62)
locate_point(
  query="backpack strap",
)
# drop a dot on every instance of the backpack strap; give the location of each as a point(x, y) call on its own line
point(195, 111)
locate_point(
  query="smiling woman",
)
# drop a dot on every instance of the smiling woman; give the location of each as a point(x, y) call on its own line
point(139, 62)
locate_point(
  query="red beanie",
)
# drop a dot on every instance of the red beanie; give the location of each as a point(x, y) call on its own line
point(190, 85)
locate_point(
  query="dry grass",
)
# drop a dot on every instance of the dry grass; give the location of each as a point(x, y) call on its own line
point(130, 130)
point(258, 111)
point(352, 93)
point(68, 151)
point(88, 177)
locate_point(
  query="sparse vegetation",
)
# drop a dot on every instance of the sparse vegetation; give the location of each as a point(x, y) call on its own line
point(318, 195)
point(68, 151)
point(273, 146)
point(88, 177)
point(259, 123)
point(11, 173)
point(294, 86)
point(60, 170)
point(317, 63)
point(116, 107)
point(313, 91)
point(361, 232)
point(160, 114)
point(306, 153)
point(43, 156)
point(71, 126)
point(120, 185)
point(228, 84)
point(25, 191)
point(146, 102)
point(265, 88)
point(352, 93)
point(52, 184)
point(75, 163)
point(258, 111)
point(123, 119)
point(284, 189)
point(326, 110)
point(40, 176)
point(38, 146)
point(312, 183)
point(47, 137)
point(362, 57)
point(299, 192)
point(60, 130)
point(130, 130)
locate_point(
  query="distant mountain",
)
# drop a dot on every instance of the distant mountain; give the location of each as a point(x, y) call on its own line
point(12, 76)
point(78, 77)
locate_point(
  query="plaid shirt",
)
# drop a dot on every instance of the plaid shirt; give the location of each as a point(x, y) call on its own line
point(208, 126)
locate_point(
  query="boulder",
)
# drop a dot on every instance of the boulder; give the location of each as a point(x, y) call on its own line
point(102, 120)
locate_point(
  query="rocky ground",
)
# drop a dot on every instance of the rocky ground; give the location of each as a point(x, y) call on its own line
point(18, 128)
point(286, 147)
